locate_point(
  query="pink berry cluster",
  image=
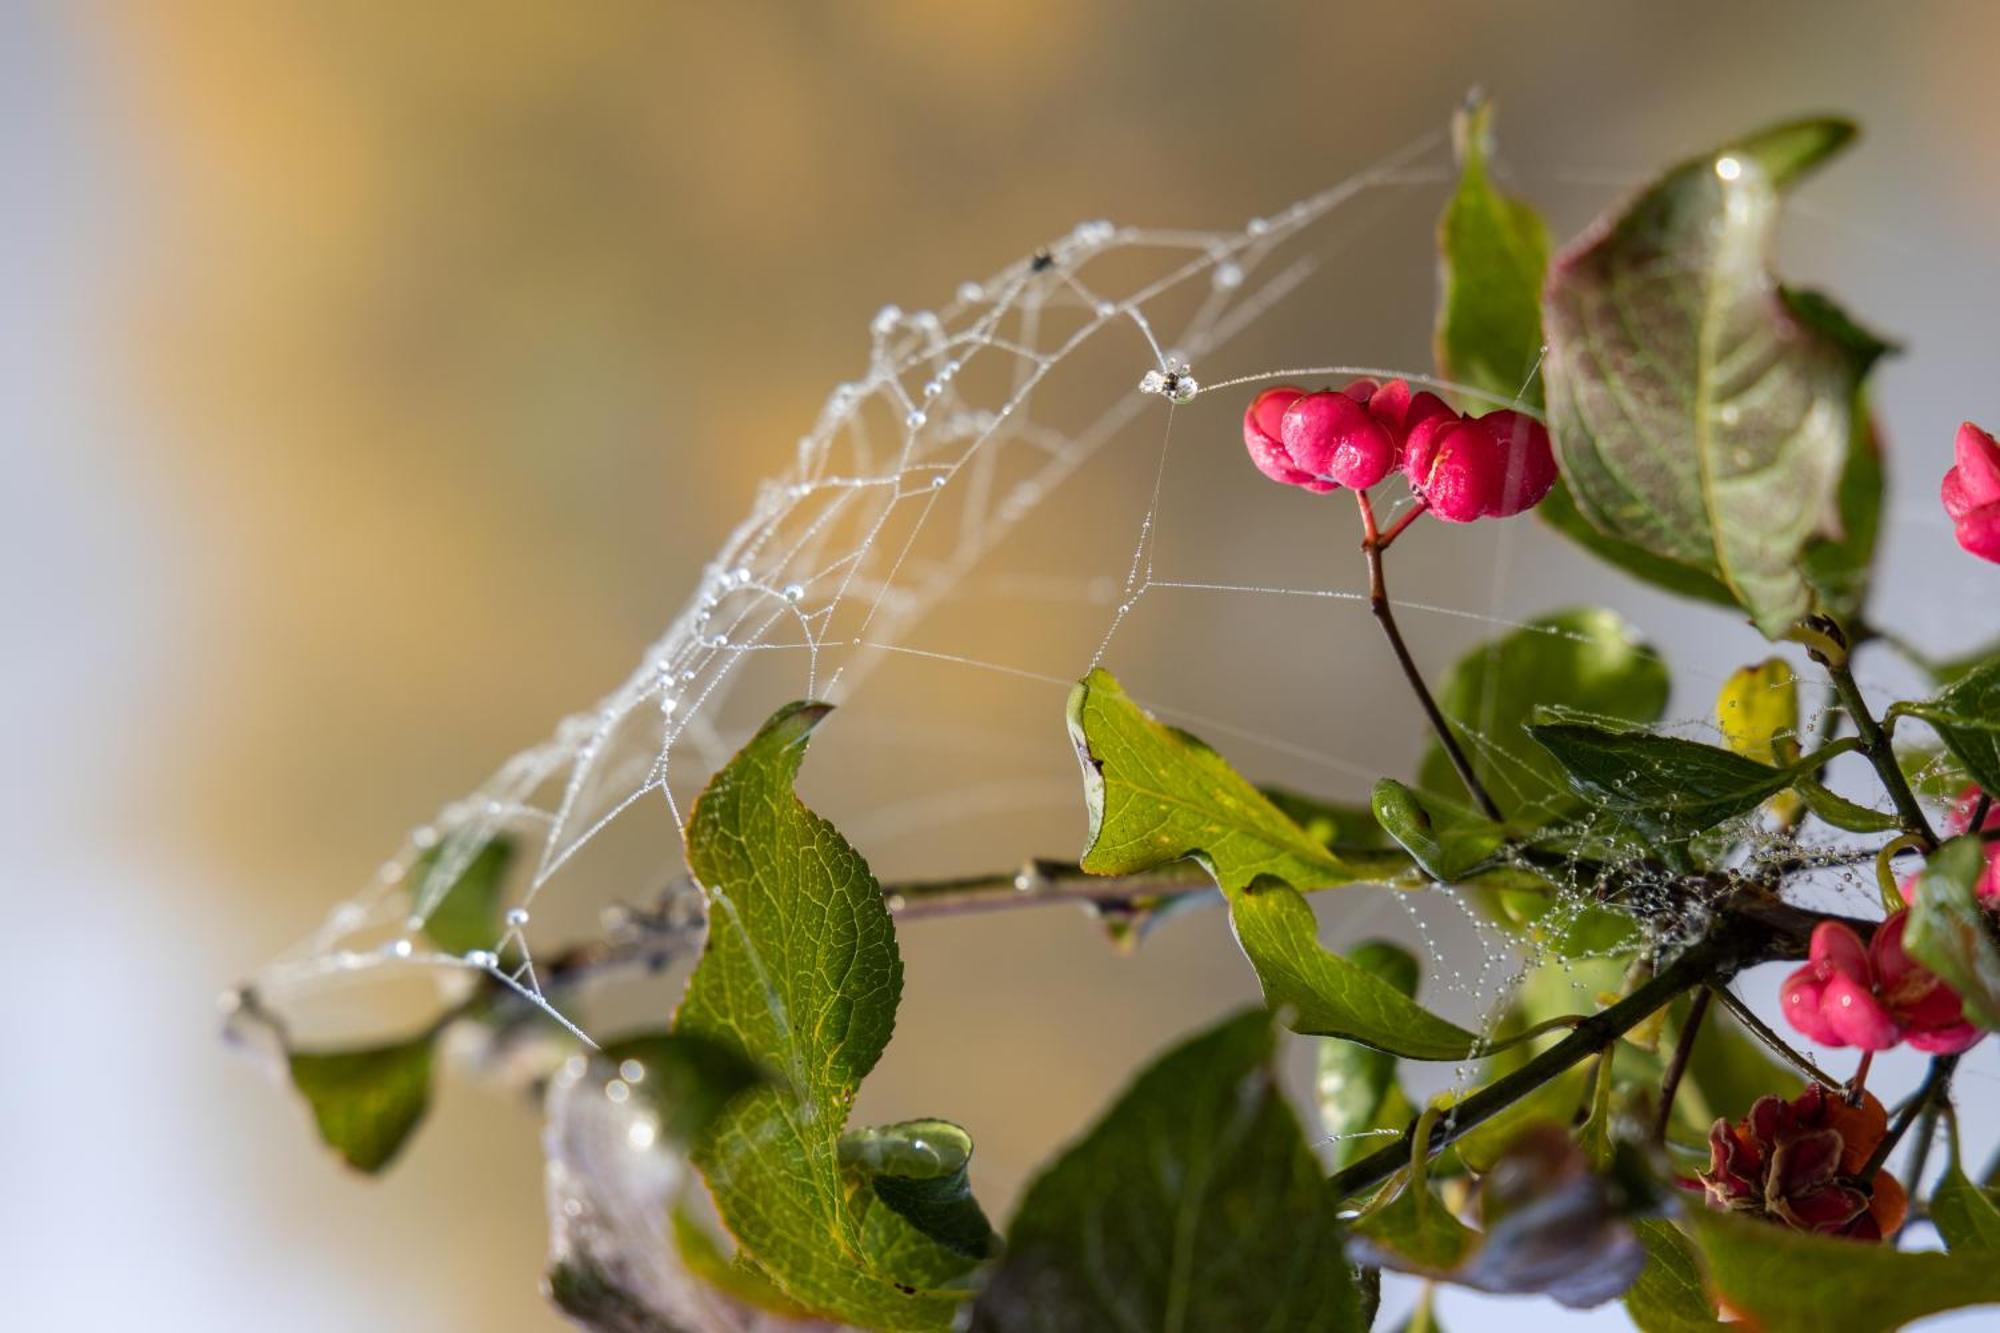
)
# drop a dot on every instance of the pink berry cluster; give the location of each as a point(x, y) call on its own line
point(1874, 996)
point(1972, 492)
point(1464, 468)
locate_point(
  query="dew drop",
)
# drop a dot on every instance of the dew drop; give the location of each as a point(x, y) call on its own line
point(1228, 276)
point(793, 593)
point(517, 917)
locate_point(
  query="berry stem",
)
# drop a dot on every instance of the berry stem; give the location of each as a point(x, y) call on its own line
point(1372, 545)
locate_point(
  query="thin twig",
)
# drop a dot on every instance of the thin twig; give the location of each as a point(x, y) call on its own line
point(1937, 1083)
point(1677, 1067)
point(1713, 957)
point(1874, 740)
point(1778, 1046)
point(1372, 544)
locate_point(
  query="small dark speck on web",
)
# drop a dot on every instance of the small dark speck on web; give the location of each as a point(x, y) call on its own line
point(907, 1291)
point(1042, 260)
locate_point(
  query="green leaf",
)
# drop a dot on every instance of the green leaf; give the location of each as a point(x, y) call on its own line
point(1799, 1282)
point(1954, 669)
point(734, 1276)
point(1558, 510)
point(1156, 794)
point(1670, 1296)
point(1950, 933)
point(1315, 991)
point(918, 1170)
point(1194, 1203)
point(1966, 715)
point(1588, 659)
point(1965, 1215)
point(1695, 413)
point(1357, 1090)
point(1448, 845)
point(1840, 567)
point(464, 910)
point(1677, 787)
point(1338, 827)
point(1414, 1233)
point(1492, 250)
point(685, 1078)
point(1173, 798)
point(801, 972)
point(1842, 813)
point(367, 1102)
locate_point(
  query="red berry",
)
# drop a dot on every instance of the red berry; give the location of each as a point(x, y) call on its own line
point(1261, 424)
point(1530, 464)
point(1331, 435)
point(1971, 493)
point(1464, 475)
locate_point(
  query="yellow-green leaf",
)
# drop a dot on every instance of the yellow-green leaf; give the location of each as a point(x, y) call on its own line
point(1156, 794)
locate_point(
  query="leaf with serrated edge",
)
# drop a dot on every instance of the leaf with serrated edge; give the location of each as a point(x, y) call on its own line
point(800, 972)
point(1669, 1296)
point(1587, 658)
point(1798, 1282)
point(1966, 716)
point(1678, 786)
point(1193, 1204)
point(1156, 794)
point(1949, 931)
point(1694, 411)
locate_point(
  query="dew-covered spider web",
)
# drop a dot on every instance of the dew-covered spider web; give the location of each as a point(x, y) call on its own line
point(1041, 475)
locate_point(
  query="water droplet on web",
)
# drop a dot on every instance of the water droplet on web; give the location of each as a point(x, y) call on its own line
point(793, 593)
point(885, 321)
point(517, 917)
point(1228, 276)
point(938, 480)
point(481, 958)
point(399, 948)
point(915, 420)
point(1152, 381)
point(423, 839)
point(1257, 227)
point(969, 292)
point(1105, 310)
point(1182, 388)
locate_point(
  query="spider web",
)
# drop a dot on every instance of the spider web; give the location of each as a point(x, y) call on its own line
point(929, 489)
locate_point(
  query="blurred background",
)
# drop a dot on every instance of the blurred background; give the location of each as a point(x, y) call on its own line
point(378, 378)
